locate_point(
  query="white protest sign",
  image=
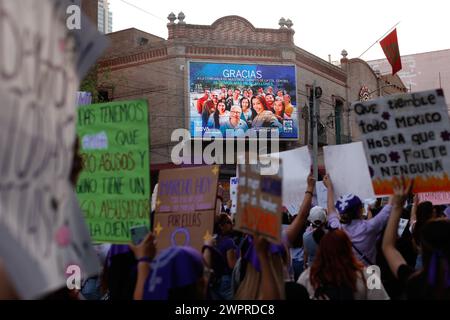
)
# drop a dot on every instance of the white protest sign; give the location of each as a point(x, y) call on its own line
point(43, 232)
point(407, 135)
point(233, 194)
point(347, 166)
point(321, 193)
point(296, 168)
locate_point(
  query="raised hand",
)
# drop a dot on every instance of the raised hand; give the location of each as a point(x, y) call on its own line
point(147, 248)
point(327, 181)
point(402, 189)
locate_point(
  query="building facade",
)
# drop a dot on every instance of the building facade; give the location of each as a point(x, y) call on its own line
point(422, 71)
point(141, 65)
point(105, 18)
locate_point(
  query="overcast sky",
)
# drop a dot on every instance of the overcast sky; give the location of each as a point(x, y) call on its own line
point(321, 27)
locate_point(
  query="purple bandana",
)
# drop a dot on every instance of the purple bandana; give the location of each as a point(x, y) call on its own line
point(173, 268)
point(252, 256)
point(348, 201)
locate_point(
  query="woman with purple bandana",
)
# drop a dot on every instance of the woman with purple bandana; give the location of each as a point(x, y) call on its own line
point(362, 233)
point(433, 280)
point(177, 273)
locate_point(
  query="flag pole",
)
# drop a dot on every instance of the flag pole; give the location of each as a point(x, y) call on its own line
point(379, 39)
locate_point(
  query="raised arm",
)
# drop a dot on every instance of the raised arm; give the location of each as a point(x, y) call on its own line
point(414, 209)
point(333, 219)
point(144, 253)
point(269, 288)
point(296, 227)
point(392, 255)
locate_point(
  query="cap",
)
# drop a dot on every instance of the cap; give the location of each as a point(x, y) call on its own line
point(347, 202)
point(317, 215)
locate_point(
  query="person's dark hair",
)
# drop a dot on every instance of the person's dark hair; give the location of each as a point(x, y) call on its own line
point(262, 100)
point(435, 239)
point(350, 214)
point(244, 98)
point(205, 114)
point(318, 234)
point(423, 215)
point(285, 218)
point(222, 219)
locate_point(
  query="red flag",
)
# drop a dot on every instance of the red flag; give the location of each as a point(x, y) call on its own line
point(391, 50)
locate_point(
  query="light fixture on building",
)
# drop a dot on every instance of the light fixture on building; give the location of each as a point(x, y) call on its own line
point(282, 23)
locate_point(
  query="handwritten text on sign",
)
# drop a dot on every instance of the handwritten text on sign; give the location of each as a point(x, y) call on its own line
point(407, 135)
point(114, 187)
point(42, 229)
point(185, 190)
point(259, 203)
point(185, 206)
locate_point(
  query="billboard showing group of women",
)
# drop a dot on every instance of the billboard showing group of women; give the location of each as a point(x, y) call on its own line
point(238, 100)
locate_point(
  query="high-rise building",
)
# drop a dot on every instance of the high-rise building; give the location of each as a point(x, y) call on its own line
point(104, 17)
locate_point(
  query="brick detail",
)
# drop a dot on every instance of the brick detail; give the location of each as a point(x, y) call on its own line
point(230, 29)
point(130, 59)
point(242, 52)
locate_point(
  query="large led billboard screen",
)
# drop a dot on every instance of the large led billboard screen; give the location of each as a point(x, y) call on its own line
point(237, 100)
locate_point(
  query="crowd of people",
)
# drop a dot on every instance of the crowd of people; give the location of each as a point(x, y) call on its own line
point(235, 111)
point(336, 253)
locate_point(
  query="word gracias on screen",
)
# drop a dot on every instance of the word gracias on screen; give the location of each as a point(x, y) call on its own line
point(245, 74)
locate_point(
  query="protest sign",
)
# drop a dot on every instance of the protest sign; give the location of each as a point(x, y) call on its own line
point(297, 164)
point(233, 194)
point(437, 198)
point(114, 186)
point(347, 167)
point(185, 206)
point(83, 98)
point(407, 135)
point(259, 203)
point(42, 231)
point(321, 193)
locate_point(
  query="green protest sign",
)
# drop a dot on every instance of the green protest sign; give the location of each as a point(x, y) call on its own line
point(114, 186)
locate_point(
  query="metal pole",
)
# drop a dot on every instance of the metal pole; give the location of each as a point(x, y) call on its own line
point(315, 135)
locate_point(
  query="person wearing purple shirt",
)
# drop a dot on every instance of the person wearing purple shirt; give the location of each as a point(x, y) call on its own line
point(362, 233)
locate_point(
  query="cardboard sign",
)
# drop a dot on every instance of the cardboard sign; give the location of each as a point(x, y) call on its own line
point(233, 194)
point(43, 237)
point(437, 198)
point(259, 203)
point(183, 229)
point(407, 135)
point(297, 164)
point(347, 166)
point(185, 206)
point(114, 186)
